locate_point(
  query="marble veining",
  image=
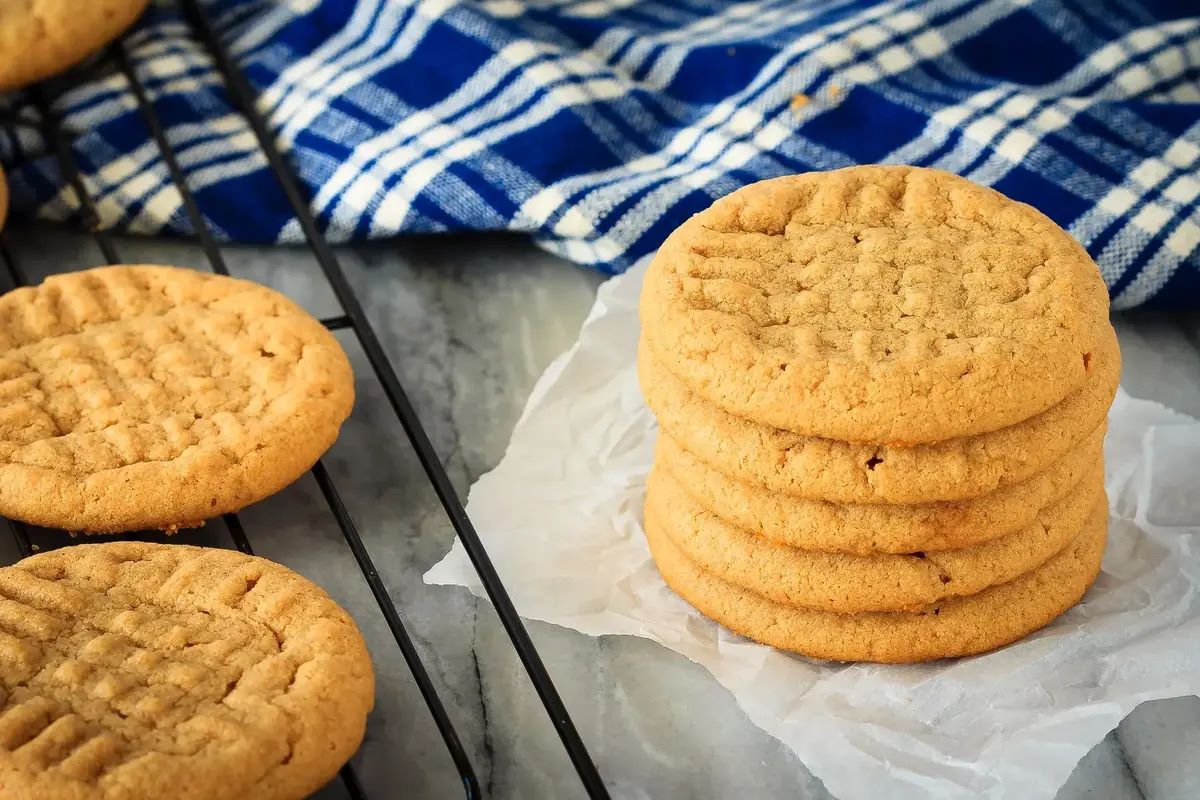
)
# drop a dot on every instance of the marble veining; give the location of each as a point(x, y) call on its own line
point(470, 322)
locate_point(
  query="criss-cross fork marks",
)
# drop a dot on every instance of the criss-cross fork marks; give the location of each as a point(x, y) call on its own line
point(916, 265)
point(111, 368)
point(36, 735)
point(874, 295)
point(97, 675)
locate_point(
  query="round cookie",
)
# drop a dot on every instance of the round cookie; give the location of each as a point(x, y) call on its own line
point(40, 38)
point(886, 304)
point(133, 669)
point(958, 627)
point(851, 584)
point(157, 397)
point(827, 469)
point(871, 528)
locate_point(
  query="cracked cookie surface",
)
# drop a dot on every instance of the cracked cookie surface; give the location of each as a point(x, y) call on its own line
point(850, 583)
point(40, 38)
point(956, 627)
point(882, 304)
point(139, 670)
point(156, 397)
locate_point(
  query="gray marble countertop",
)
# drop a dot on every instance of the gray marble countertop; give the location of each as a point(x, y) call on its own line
point(469, 323)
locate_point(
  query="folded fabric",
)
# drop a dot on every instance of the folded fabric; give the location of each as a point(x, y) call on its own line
point(599, 125)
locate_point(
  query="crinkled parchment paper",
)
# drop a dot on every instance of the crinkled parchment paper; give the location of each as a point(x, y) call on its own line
point(570, 487)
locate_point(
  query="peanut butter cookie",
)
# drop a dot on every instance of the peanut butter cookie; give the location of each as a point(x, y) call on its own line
point(872, 528)
point(855, 583)
point(40, 38)
point(828, 469)
point(961, 626)
point(156, 397)
point(882, 304)
point(148, 671)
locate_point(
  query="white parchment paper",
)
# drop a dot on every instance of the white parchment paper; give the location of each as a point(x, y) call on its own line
point(561, 517)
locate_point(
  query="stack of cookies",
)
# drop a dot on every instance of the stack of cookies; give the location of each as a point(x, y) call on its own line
point(882, 395)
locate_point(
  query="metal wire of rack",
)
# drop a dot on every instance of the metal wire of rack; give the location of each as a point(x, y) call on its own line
point(243, 97)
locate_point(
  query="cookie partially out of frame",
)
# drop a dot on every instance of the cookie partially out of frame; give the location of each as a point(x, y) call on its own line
point(958, 627)
point(139, 397)
point(40, 38)
point(873, 528)
point(844, 472)
point(137, 670)
point(849, 583)
point(887, 304)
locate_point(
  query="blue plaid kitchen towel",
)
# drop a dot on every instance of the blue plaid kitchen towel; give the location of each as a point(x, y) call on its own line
point(599, 125)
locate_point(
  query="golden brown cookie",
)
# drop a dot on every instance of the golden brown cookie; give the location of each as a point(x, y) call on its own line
point(962, 626)
point(872, 528)
point(156, 397)
point(137, 670)
point(826, 469)
point(40, 38)
point(884, 304)
point(854, 583)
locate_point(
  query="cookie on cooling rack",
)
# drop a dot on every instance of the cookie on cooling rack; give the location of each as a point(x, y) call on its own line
point(137, 397)
point(131, 669)
point(41, 38)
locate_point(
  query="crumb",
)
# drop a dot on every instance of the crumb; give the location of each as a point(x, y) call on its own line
point(37, 548)
point(799, 101)
point(835, 91)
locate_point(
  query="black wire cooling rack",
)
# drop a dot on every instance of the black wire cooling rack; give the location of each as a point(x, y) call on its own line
point(243, 96)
